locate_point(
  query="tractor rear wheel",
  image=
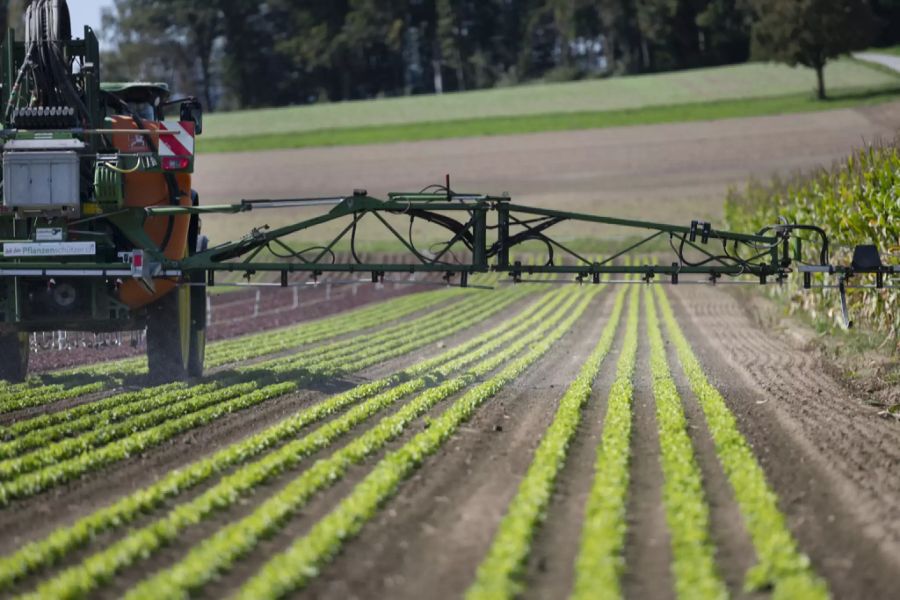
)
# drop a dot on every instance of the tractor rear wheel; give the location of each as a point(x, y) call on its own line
point(169, 336)
point(14, 351)
point(176, 335)
point(197, 352)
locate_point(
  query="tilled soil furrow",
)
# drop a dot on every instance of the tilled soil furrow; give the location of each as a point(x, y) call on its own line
point(648, 554)
point(826, 417)
point(799, 376)
point(839, 490)
point(550, 571)
point(734, 549)
point(817, 395)
point(435, 533)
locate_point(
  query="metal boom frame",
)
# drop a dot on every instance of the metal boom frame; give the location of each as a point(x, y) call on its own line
point(765, 256)
point(515, 225)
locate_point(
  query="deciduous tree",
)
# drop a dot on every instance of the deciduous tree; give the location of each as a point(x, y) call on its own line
point(810, 32)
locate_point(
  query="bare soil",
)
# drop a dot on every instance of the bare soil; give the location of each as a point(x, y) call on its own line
point(674, 172)
point(648, 552)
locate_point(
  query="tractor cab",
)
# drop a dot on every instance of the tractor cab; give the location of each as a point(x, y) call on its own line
point(142, 99)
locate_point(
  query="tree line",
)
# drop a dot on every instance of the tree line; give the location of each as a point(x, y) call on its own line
point(252, 53)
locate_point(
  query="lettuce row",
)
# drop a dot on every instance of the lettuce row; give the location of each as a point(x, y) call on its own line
point(45, 395)
point(81, 578)
point(37, 481)
point(32, 393)
point(687, 512)
point(599, 564)
point(498, 575)
point(146, 407)
point(70, 417)
point(167, 406)
point(249, 347)
point(780, 565)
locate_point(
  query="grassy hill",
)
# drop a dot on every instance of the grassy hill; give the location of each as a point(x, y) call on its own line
point(722, 92)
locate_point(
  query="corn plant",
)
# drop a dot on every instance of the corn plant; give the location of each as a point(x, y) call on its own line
point(858, 202)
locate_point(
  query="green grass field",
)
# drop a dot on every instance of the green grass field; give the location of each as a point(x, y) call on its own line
point(724, 92)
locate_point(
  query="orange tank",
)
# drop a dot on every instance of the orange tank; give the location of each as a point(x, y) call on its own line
point(150, 189)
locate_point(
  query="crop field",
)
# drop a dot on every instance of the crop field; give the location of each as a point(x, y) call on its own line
point(537, 440)
point(406, 439)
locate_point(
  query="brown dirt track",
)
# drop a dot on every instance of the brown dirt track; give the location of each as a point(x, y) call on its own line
point(674, 172)
point(833, 462)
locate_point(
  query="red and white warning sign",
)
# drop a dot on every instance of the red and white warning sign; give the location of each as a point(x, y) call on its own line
point(179, 141)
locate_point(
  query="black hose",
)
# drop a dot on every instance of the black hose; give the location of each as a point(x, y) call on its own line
point(48, 26)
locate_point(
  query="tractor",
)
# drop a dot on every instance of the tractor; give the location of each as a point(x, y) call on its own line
point(77, 153)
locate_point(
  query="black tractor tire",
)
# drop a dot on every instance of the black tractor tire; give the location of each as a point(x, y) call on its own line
point(14, 351)
point(176, 323)
point(197, 352)
point(168, 337)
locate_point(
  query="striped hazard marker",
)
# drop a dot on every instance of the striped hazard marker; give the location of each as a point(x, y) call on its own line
point(180, 138)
